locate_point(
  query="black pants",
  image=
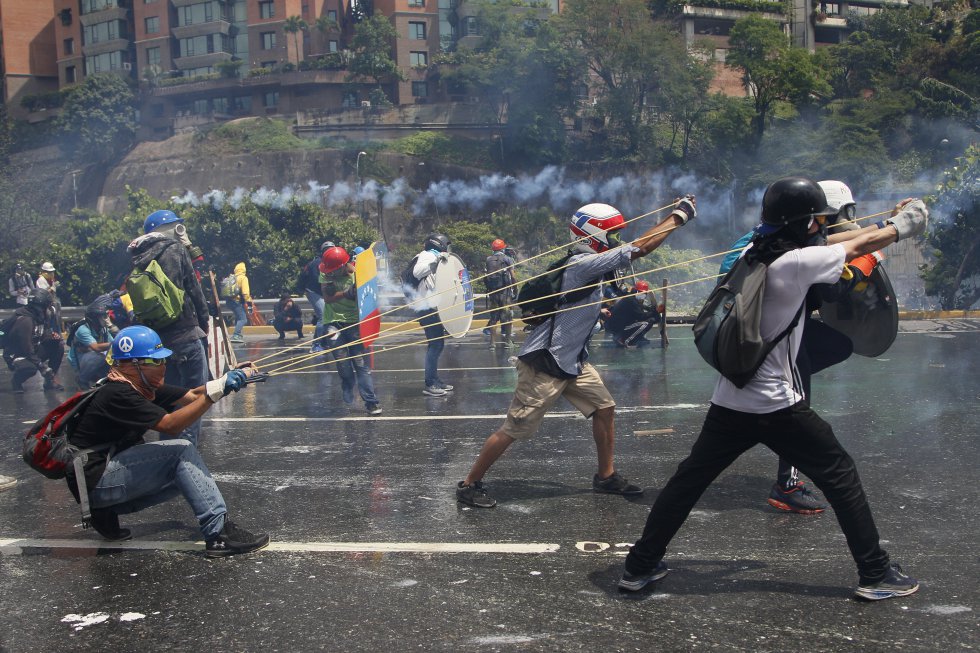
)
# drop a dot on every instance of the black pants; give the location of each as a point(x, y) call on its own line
point(822, 347)
point(496, 303)
point(49, 351)
point(797, 434)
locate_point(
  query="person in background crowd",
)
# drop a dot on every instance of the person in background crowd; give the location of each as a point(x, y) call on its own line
point(87, 343)
point(141, 474)
point(435, 247)
point(20, 285)
point(632, 317)
point(287, 317)
point(48, 280)
point(239, 303)
point(499, 280)
point(165, 240)
point(30, 347)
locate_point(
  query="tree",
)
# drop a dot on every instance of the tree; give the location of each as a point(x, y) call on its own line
point(772, 70)
point(294, 25)
point(954, 274)
point(324, 25)
point(372, 43)
point(686, 97)
point(98, 119)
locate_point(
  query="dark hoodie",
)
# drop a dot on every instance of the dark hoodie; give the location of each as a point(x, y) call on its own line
point(176, 264)
point(26, 333)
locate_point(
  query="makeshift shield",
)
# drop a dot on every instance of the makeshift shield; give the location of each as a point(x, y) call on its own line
point(868, 317)
point(369, 313)
point(454, 295)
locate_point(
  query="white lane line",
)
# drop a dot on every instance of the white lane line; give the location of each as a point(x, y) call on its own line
point(386, 371)
point(12, 546)
point(413, 418)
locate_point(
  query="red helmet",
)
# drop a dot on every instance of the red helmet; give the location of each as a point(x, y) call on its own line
point(497, 245)
point(333, 259)
point(597, 222)
point(642, 286)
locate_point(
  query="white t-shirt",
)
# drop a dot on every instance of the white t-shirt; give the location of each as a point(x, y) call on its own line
point(423, 271)
point(776, 386)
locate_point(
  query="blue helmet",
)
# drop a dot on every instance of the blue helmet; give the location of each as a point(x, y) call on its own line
point(138, 342)
point(357, 250)
point(158, 219)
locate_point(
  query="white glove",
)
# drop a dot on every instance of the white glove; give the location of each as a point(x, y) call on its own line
point(911, 220)
point(686, 209)
point(233, 381)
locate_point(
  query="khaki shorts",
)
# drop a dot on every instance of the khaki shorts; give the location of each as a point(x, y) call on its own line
point(537, 392)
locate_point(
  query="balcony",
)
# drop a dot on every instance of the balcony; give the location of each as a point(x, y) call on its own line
point(104, 15)
point(219, 26)
point(112, 45)
point(186, 3)
point(295, 78)
point(201, 60)
point(733, 10)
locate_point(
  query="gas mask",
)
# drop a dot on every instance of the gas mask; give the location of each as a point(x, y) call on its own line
point(646, 301)
point(178, 231)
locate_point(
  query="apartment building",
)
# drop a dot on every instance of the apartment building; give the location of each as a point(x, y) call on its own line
point(27, 52)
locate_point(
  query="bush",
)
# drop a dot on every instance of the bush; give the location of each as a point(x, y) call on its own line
point(449, 149)
point(255, 135)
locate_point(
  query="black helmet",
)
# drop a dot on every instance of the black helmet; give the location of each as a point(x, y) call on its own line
point(39, 300)
point(792, 199)
point(437, 241)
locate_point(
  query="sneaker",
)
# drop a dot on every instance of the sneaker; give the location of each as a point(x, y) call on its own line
point(234, 539)
point(475, 495)
point(53, 384)
point(797, 499)
point(615, 484)
point(636, 582)
point(445, 387)
point(486, 332)
point(434, 391)
point(373, 409)
point(895, 583)
point(17, 388)
point(105, 521)
point(236, 339)
point(316, 347)
point(281, 338)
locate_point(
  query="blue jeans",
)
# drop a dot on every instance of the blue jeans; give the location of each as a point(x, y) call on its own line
point(355, 369)
point(241, 319)
point(316, 301)
point(188, 368)
point(149, 474)
point(91, 368)
point(434, 333)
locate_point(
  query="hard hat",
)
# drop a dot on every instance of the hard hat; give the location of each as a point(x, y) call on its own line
point(498, 245)
point(325, 245)
point(333, 259)
point(159, 218)
point(642, 286)
point(596, 221)
point(437, 241)
point(357, 250)
point(47, 266)
point(138, 342)
point(792, 199)
point(839, 198)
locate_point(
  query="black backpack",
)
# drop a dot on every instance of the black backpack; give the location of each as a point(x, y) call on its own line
point(72, 330)
point(726, 331)
point(540, 297)
point(5, 328)
point(309, 277)
point(498, 272)
point(410, 282)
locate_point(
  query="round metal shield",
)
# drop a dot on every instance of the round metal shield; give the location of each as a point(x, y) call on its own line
point(455, 295)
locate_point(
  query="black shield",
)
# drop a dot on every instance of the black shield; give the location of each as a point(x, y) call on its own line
point(869, 317)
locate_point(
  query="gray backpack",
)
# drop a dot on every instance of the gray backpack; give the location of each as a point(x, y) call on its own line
point(726, 331)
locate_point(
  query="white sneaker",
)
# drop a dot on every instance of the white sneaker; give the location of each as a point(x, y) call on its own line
point(434, 391)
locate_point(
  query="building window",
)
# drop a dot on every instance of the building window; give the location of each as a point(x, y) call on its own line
point(100, 32)
point(65, 15)
point(69, 46)
point(416, 31)
point(268, 64)
point(332, 14)
point(70, 75)
point(220, 105)
point(153, 56)
point(88, 6)
point(267, 10)
point(419, 58)
point(202, 12)
point(420, 89)
point(103, 62)
point(350, 100)
point(242, 103)
point(150, 2)
point(268, 40)
point(270, 99)
point(470, 27)
point(207, 44)
point(152, 24)
point(333, 46)
point(416, 3)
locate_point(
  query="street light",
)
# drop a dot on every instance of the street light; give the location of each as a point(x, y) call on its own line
point(360, 185)
point(74, 186)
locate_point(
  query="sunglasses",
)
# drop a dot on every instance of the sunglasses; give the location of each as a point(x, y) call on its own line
point(152, 362)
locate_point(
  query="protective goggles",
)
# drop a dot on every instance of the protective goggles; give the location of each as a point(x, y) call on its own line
point(818, 219)
point(151, 362)
point(849, 212)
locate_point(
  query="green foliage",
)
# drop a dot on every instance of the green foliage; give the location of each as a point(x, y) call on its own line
point(954, 273)
point(772, 6)
point(371, 46)
point(180, 81)
point(254, 135)
point(470, 242)
point(436, 146)
point(98, 120)
point(39, 101)
point(230, 68)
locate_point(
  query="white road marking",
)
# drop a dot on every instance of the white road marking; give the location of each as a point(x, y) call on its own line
point(11, 546)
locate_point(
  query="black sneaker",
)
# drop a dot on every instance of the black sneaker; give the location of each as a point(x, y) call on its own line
point(796, 499)
point(52, 384)
point(234, 539)
point(636, 582)
point(615, 484)
point(373, 409)
point(475, 495)
point(16, 388)
point(105, 521)
point(895, 583)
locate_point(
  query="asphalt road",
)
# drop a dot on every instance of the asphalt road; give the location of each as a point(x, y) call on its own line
point(371, 551)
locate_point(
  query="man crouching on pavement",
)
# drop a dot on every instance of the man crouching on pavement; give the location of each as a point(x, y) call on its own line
point(134, 474)
point(552, 363)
